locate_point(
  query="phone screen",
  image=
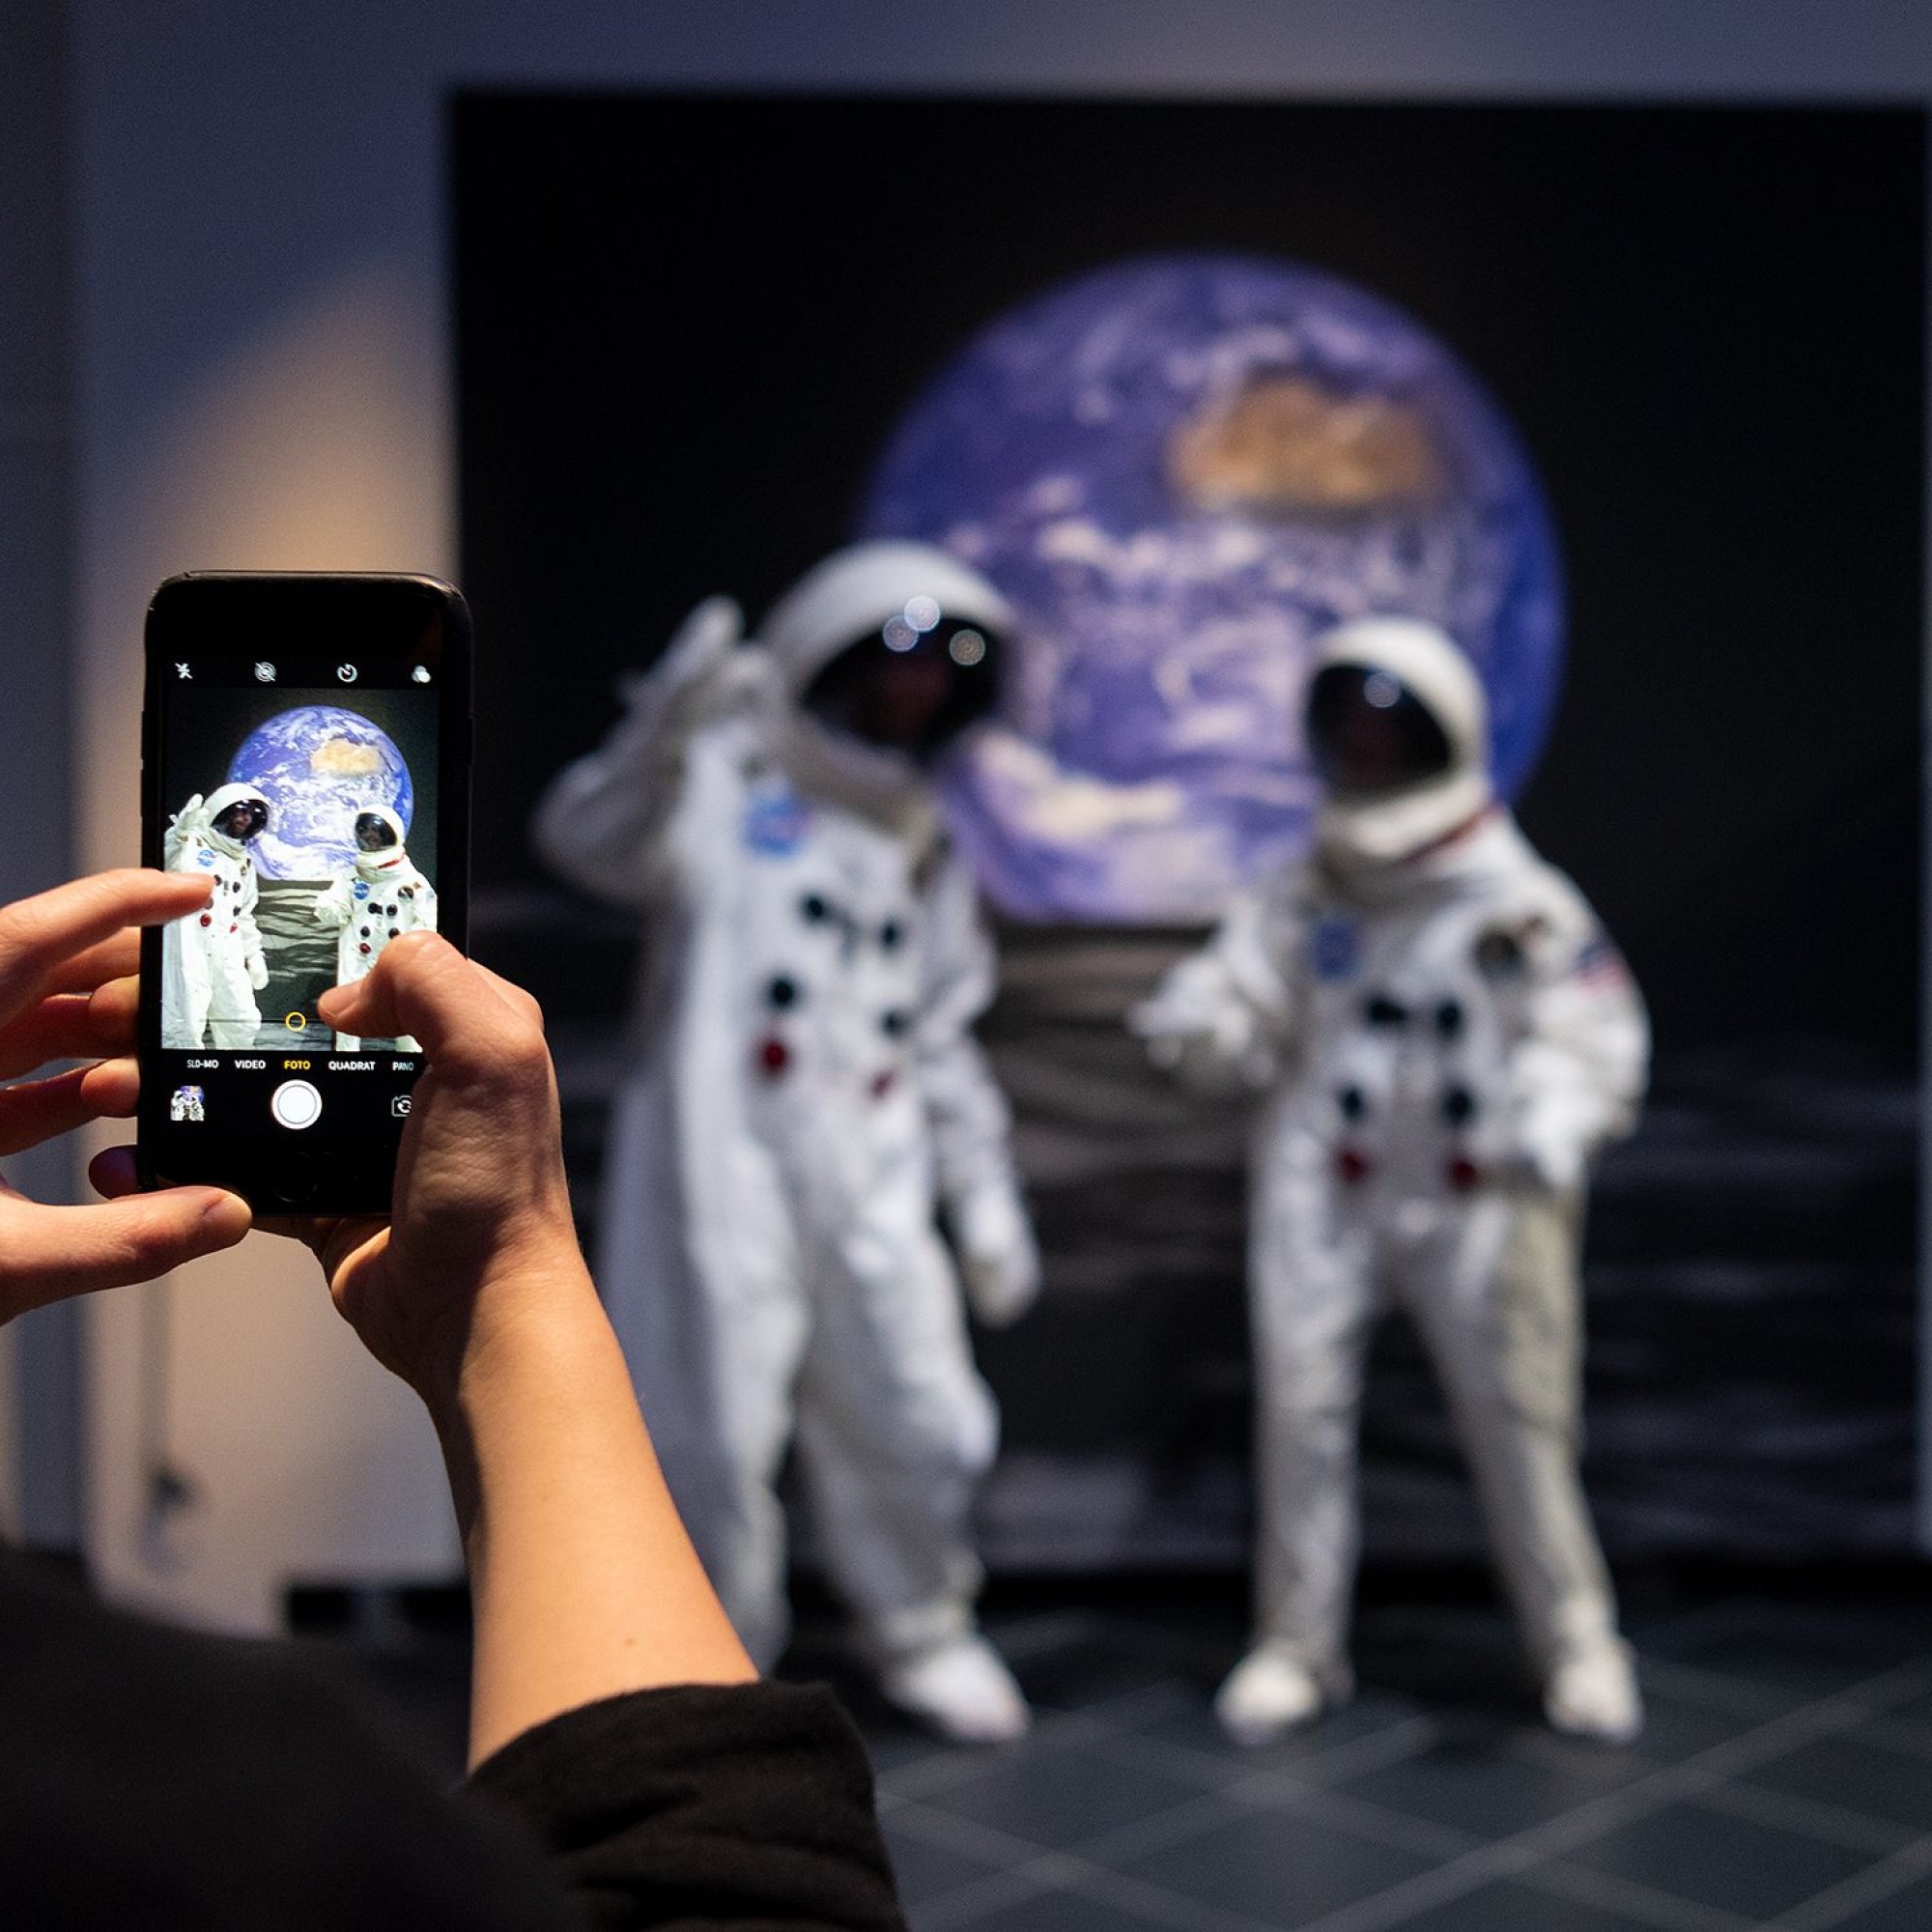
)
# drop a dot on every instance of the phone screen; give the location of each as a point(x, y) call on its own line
point(305, 742)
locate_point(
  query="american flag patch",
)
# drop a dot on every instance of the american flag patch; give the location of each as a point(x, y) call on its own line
point(1600, 964)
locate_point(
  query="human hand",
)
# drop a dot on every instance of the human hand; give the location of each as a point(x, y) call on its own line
point(480, 1239)
point(66, 992)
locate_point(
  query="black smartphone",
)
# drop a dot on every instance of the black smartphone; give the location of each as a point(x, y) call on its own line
point(306, 746)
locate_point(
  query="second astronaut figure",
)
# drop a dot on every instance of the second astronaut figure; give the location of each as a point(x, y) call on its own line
point(1447, 1035)
point(385, 898)
point(805, 1096)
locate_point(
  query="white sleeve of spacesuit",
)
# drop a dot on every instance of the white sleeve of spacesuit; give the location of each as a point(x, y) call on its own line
point(605, 821)
point(426, 912)
point(1578, 1074)
point(967, 1116)
point(1221, 1017)
point(333, 907)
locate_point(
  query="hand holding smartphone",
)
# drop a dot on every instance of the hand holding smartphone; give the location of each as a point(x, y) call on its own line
point(306, 750)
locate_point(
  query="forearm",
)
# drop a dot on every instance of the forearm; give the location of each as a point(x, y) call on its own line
point(585, 1582)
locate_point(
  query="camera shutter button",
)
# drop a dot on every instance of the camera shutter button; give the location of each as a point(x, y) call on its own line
point(296, 1103)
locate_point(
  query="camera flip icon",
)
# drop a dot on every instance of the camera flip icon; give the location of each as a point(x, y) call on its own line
point(399, 1105)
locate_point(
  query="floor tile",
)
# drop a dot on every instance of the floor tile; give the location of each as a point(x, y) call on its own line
point(1194, 1727)
point(1854, 1774)
point(1736, 1864)
point(1281, 1870)
point(1058, 1911)
point(1057, 1798)
point(924, 1869)
point(1511, 1907)
point(1676, 1728)
point(1817, 1648)
point(1907, 1910)
point(1485, 1782)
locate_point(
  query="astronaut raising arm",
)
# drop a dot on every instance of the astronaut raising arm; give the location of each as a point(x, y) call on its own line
point(608, 821)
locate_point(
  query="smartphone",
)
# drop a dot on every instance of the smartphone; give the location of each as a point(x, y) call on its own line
point(306, 746)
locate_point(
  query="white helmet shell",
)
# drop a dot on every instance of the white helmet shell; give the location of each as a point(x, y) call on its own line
point(851, 594)
point(855, 592)
point(218, 801)
point(1357, 834)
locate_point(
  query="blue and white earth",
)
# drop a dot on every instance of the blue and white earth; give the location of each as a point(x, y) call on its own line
point(318, 766)
point(1180, 469)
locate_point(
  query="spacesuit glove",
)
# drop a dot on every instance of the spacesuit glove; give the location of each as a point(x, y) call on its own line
point(1549, 1156)
point(183, 829)
point(999, 1259)
point(700, 675)
point(1213, 1047)
point(257, 971)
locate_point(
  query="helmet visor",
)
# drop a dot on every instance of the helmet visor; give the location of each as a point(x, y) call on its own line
point(241, 820)
point(910, 689)
point(1368, 733)
point(373, 832)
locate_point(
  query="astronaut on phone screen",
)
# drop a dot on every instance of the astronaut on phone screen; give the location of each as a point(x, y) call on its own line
point(212, 962)
point(384, 898)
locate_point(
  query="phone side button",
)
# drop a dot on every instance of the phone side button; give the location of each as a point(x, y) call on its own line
point(296, 1103)
point(295, 1179)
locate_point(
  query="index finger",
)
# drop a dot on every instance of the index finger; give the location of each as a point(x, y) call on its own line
point(41, 936)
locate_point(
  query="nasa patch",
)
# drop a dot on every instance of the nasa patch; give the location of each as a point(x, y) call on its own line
point(204, 857)
point(776, 822)
point(361, 888)
point(1336, 948)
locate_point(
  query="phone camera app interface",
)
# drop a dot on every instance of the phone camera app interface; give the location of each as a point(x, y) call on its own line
point(306, 793)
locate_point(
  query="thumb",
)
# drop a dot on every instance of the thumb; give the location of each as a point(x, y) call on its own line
point(52, 1253)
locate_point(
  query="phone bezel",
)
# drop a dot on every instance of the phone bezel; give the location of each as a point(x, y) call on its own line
point(227, 614)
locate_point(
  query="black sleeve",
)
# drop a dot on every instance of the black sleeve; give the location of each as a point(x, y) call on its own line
point(704, 1806)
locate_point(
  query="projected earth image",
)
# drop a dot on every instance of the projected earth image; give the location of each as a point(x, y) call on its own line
point(1181, 469)
point(318, 766)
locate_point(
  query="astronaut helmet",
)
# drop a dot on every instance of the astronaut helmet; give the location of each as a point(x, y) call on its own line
point(893, 650)
point(377, 833)
point(235, 814)
point(1397, 730)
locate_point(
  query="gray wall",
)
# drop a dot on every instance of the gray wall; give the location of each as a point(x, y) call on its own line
point(40, 1363)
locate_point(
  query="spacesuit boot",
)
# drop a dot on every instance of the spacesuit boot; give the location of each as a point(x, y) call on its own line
point(961, 1688)
point(1589, 1677)
point(1272, 1690)
point(387, 898)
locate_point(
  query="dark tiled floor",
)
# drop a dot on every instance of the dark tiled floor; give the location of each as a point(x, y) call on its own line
point(1785, 1781)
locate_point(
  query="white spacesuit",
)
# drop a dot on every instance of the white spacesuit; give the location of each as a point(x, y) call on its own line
point(386, 898)
point(212, 962)
point(804, 1094)
point(1447, 1035)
